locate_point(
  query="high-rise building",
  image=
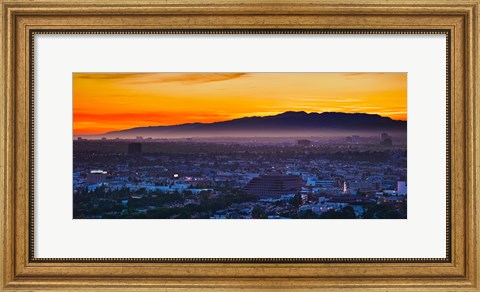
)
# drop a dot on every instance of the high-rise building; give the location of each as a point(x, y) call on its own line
point(305, 143)
point(96, 177)
point(387, 142)
point(134, 148)
point(384, 136)
point(402, 187)
point(274, 186)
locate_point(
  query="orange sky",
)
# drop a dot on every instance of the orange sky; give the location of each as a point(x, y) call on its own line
point(105, 102)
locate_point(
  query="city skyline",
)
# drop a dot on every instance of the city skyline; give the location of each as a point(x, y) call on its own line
point(240, 146)
point(104, 102)
point(353, 177)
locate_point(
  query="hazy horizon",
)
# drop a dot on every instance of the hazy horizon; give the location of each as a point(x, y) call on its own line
point(245, 135)
point(152, 131)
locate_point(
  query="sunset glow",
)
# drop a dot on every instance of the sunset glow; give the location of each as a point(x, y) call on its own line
point(104, 102)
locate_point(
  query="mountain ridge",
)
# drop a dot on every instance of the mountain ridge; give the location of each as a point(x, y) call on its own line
point(283, 123)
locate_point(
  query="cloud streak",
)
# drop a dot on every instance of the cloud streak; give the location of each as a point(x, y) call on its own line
point(153, 78)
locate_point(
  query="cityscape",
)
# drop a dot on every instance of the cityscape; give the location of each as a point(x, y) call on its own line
point(291, 164)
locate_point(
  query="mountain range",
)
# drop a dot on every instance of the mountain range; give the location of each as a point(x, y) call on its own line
point(285, 124)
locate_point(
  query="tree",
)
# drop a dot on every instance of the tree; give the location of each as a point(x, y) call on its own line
point(345, 213)
point(308, 214)
point(296, 201)
point(184, 214)
point(386, 211)
point(258, 212)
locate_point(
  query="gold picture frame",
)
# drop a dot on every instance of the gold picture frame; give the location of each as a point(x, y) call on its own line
point(22, 19)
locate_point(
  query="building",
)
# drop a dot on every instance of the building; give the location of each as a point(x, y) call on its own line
point(402, 187)
point(268, 186)
point(387, 142)
point(134, 148)
point(96, 177)
point(355, 139)
point(304, 143)
point(320, 183)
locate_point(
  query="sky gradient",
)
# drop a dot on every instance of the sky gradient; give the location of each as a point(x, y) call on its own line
point(104, 102)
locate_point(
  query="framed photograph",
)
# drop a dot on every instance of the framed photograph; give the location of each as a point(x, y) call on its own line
point(202, 145)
